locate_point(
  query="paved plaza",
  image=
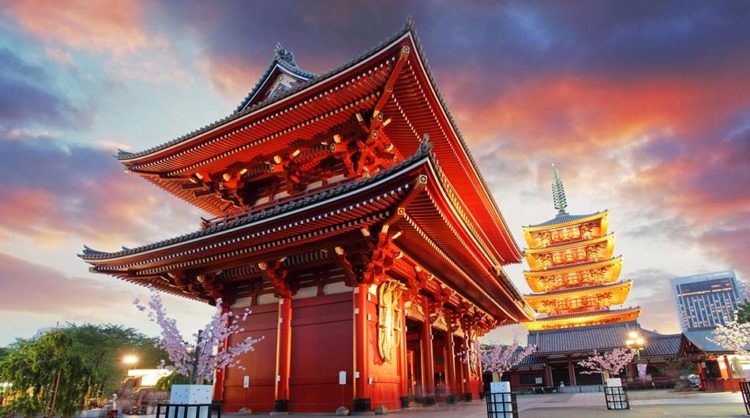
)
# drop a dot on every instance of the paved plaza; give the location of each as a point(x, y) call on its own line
point(655, 403)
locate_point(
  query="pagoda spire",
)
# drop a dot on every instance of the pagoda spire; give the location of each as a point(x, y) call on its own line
point(558, 192)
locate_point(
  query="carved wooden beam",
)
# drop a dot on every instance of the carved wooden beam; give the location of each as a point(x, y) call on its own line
point(276, 274)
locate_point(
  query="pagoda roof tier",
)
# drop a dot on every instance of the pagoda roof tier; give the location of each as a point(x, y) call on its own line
point(584, 319)
point(557, 256)
point(565, 219)
point(412, 197)
point(606, 295)
point(585, 227)
point(592, 273)
point(390, 82)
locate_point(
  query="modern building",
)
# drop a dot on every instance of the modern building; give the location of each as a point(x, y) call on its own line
point(703, 302)
point(707, 300)
point(349, 215)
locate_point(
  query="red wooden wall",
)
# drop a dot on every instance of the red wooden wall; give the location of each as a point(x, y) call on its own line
point(322, 338)
point(260, 363)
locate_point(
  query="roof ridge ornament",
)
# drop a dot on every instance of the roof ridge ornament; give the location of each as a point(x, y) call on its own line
point(284, 54)
point(558, 192)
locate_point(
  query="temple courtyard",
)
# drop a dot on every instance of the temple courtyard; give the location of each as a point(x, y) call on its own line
point(655, 403)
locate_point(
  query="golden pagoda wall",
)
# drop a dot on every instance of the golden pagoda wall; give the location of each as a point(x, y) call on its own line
point(575, 256)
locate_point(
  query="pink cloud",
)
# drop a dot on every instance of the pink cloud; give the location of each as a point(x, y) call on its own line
point(99, 26)
point(29, 287)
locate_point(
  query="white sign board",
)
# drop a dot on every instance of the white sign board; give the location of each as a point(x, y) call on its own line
point(246, 382)
point(614, 382)
point(342, 377)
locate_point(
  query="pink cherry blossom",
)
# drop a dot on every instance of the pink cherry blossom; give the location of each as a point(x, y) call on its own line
point(499, 359)
point(733, 336)
point(611, 362)
point(201, 360)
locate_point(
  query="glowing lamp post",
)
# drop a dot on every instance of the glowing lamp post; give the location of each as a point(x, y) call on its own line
point(635, 342)
point(130, 360)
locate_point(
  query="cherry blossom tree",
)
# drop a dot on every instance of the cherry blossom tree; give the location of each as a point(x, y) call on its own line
point(609, 363)
point(200, 360)
point(734, 336)
point(469, 354)
point(498, 359)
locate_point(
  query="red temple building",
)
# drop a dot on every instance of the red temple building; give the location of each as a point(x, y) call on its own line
point(346, 211)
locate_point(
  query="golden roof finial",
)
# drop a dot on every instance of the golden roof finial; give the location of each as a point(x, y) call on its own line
point(558, 192)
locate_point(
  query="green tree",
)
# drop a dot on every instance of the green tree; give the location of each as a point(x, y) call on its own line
point(57, 371)
point(47, 375)
point(104, 346)
point(743, 313)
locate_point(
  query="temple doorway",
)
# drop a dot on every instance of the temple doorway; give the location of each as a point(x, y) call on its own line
point(413, 358)
point(560, 374)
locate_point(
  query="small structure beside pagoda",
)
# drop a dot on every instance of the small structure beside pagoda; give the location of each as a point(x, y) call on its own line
point(345, 211)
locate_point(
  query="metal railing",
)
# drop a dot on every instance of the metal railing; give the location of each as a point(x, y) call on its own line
point(182, 410)
point(501, 405)
point(745, 389)
point(616, 397)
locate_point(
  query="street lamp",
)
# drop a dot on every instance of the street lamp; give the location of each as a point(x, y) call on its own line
point(130, 360)
point(635, 342)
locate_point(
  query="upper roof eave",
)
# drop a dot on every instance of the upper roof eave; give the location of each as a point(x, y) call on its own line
point(91, 255)
point(584, 290)
point(513, 253)
point(128, 157)
point(566, 219)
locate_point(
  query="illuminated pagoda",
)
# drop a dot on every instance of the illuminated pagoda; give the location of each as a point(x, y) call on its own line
point(572, 271)
point(334, 213)
point(574, 279)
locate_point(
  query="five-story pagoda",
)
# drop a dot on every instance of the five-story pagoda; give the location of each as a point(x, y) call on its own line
point(573, 273)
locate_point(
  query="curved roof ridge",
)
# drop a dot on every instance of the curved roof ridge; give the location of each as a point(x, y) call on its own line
point(237, 114)
point(565, 217)
point(582, 289)
point(423, 151)
point(283, 58)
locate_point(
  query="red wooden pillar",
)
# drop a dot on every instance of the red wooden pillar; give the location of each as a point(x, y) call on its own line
point(702, 375)
point(450, 367)
point(403, 362)
point(466, 369)
point(283, 355)
point(219, 375)
point(571, 373)
point(548, 375)
point(361, 373)
point(428, 358)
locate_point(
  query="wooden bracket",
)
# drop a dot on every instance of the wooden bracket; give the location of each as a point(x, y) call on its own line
point(276, 274)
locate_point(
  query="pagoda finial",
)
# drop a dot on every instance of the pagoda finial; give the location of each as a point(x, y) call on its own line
point(558, 192)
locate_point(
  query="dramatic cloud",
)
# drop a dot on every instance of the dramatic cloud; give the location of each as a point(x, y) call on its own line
point(29, 287)
point(29, 96)
point(61, 190)
point(36, 297)
point(99, 26)
point(645, 106)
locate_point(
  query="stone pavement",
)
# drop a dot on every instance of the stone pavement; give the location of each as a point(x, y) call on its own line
point(644, 404)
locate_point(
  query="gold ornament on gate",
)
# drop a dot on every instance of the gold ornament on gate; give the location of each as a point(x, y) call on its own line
point(389, 318)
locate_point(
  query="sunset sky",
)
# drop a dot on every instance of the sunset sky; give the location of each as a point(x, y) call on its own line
point(645, 107)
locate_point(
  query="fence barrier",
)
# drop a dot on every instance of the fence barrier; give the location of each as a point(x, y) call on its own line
point(616, 397)
point(501, 405)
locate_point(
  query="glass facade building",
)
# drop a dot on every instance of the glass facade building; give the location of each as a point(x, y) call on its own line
point(707, 300)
